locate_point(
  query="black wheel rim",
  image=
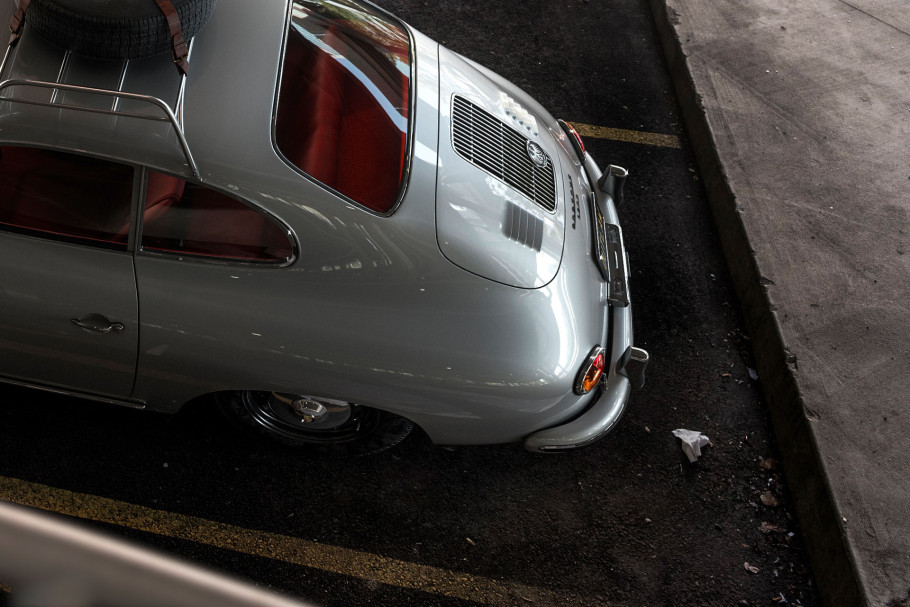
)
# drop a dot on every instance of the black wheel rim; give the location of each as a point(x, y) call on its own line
point(280, 419)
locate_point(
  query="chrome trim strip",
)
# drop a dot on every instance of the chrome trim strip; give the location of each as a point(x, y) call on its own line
point(6, 55)
point(63, 65)
point(101, 399)
point(120, 83)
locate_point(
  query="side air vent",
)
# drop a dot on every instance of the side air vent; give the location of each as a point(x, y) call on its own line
point(523, 227)
point(490, 144)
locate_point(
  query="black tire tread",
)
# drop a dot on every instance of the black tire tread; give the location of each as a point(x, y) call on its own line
point(116, 38)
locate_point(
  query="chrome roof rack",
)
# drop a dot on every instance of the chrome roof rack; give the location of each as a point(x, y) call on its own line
point(166, 113)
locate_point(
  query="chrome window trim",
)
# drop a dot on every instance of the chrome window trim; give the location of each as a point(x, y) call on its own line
point(212, 259)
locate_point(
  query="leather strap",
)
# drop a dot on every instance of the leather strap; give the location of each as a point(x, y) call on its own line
point(16, 23)
point(179, 49)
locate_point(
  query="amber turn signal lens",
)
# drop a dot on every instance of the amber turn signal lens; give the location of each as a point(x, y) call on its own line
point(591, 372)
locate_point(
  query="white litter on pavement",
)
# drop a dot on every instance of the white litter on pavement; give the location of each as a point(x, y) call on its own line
point(692, 442)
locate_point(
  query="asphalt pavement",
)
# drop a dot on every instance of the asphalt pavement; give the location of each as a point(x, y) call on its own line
point(800, 117)
point(799, 114)
point(626, 522)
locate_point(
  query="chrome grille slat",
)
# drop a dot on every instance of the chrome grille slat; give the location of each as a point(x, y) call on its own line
point(492, 145)
point(515, 137)
point(487, 153)
point(491, 140)
point(518, 173)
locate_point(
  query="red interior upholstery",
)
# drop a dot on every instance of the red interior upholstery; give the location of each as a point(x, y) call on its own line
point(69, 195)
point(161, 191)
point(331, 126)
point(190, 218)
point(64, 194)
point(220, 225)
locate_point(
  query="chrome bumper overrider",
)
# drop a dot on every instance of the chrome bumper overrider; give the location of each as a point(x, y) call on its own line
point(632, 364)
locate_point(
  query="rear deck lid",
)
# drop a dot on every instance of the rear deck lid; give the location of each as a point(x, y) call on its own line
point(498, 212)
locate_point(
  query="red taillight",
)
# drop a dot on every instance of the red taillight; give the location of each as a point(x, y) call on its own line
point(591, 372)
point(577, 143)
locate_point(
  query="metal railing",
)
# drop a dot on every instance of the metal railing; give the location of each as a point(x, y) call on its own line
point(172, 115)
point(44, 561)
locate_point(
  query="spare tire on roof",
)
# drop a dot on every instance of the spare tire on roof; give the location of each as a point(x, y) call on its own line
point(114, 29)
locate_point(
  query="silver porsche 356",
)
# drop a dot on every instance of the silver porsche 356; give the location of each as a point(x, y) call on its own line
point(310, 214)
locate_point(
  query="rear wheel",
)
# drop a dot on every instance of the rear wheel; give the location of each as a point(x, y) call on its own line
point(318, 425)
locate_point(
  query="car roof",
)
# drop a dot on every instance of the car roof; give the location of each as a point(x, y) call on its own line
point(225, 109)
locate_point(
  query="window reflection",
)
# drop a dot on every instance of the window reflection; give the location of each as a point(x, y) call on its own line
point(343, 104)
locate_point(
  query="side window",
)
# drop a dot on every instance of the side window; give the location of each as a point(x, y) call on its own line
point(185, 218)
point(65, 196)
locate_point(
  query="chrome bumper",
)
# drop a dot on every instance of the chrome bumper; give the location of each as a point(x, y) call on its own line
point(628, 362)
point(591, 426)
point(602, 416)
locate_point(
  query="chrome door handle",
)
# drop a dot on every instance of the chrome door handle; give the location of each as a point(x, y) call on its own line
point(96, 323)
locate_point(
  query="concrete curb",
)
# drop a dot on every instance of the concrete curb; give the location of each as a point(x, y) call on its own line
point(832, 558)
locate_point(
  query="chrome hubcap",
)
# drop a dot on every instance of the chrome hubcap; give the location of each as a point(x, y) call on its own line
point(307, 408)
point(304, 411)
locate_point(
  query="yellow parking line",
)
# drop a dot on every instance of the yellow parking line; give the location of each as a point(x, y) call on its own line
point(332, 559)
point(602, 132)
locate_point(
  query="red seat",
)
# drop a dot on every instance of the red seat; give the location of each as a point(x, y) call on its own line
point(332, 127)
point(161, 192)
point(183, 217)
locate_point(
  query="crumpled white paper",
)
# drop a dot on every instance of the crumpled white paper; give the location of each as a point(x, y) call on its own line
point(692, 442)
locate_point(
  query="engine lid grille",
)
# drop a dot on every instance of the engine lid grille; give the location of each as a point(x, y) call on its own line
point(521, 226)
point(490, 144)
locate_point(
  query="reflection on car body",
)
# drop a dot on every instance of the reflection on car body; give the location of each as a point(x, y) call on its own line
point(335, 232)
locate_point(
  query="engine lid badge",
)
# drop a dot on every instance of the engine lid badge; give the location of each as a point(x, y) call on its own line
point(536, 154)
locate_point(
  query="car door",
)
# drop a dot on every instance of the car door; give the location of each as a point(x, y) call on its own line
point(214, 304)
point(68, 304)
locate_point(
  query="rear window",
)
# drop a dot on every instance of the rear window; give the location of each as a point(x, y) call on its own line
point(343, 102)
